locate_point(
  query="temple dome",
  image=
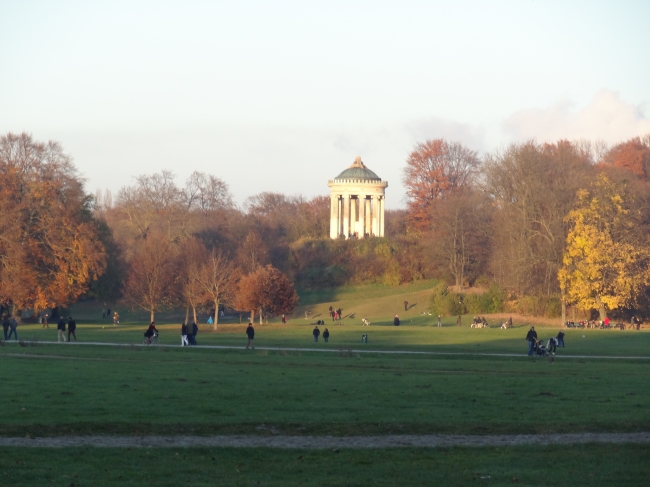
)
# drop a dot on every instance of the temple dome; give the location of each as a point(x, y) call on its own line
point(358, 171)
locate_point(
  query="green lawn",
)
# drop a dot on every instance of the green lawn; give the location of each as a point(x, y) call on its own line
point(580, 465)
point(61, 389)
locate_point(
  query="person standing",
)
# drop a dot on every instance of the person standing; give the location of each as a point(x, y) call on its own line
point(439, 320)
point(316, 333)
point(458, 320)
point(72, 326)
point(116, 318)
point(5, 326)
point(195, 331)
point(45, 322)
point(531, 337)
point(60, 329)
point(396, 320)
point(284, 319)
point(250, 332)
point(560, 339)
point(184, 341)
point(326, 335)
point(406, 305)
point(606, 322)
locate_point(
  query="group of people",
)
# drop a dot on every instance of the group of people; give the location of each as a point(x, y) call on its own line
point(9, 327)
point(536, 345)
point(336, 314)
point(635, 323)
point(72, 329)
point(316, 333)
point(106, 314)
point(188, 334)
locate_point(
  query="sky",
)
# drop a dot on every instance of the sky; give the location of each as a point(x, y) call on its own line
point(283, 95)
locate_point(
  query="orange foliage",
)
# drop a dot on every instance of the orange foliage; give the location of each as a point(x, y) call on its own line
point(49, 245)
point(267, 290)
point(633, 155)
point(434, 169)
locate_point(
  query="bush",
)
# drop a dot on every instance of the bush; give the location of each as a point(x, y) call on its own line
point(443, 302)
point(548, 306)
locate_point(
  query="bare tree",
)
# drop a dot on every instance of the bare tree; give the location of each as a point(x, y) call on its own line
point(217, 279)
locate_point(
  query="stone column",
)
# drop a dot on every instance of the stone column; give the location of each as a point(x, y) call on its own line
point(353, 215)
point(346, 215)
point(334, 216)
point(375, 215)
point(368, 228)
point(381, 217)
point(361, 228)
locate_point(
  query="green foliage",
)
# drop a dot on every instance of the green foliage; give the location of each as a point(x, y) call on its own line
point(548, 306)
point(445, 302)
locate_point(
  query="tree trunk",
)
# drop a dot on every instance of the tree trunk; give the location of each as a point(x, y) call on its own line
point(194, 314)
point(187, 314)
point(601, 309)
point(153, 315)
point(261, 316)
point(252, 318)
point(216, 315)
point(563, 312)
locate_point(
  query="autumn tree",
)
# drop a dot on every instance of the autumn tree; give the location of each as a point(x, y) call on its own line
point(633, 156)
point(217, 280)
point(266, 290)
point(151, 281)
point(50, 250)
point(604, 268)
point(191, 259)
point(460, 235)
point(253, 253)
point(434, 169)
point(532, 188)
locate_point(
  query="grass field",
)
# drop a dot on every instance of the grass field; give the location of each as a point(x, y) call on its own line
point(61, 389)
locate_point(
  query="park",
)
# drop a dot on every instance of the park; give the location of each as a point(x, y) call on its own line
point(438, 381)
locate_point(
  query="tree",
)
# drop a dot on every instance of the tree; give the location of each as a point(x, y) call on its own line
point(267, 290)
point(253, 253)
point(151, 281)
point(192, 255)
point(603, 268)
point(434, 169)
point(460, 235)
point(217, 279)
point(50, 250)
point(633, 156)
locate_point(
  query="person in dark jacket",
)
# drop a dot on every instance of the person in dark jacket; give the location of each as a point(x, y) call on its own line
point(406, 305)
point(531, 337)
point(316, 334)
point(72, 326)
point(326, 335)
point(184, 341)
point(5, 326)
point(459, 320)
point(396, 320)
point(60, 330)
point(250, 332)
point(150, 331)
point(560, 339)
point(195, 331)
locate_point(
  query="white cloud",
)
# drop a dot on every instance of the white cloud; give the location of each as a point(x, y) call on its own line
point(606, 117)
point(434, 128)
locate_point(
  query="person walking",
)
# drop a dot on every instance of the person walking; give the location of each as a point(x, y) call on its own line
point(116, 318)
point(396, 320)
point(560, 339)
point(406, 305)
point(250, 332)
point(316, 333)
point(72, 326)
point(45, 322)
point(193, 330)
point(5, 326)
point(184, 342)
point(326, 335)
point(439, 320)
point(13, 324)
point(60, 329)
point(458, 320)
point(531, 337)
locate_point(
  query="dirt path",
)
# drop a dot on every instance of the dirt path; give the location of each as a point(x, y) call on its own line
point(328, 350)
point(323, 442)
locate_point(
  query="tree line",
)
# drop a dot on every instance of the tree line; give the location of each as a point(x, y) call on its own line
point(567, 220)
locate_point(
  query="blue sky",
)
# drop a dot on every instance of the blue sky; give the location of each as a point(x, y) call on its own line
point(281, 96)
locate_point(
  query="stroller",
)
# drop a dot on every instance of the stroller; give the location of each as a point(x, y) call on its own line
point(540, 349)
